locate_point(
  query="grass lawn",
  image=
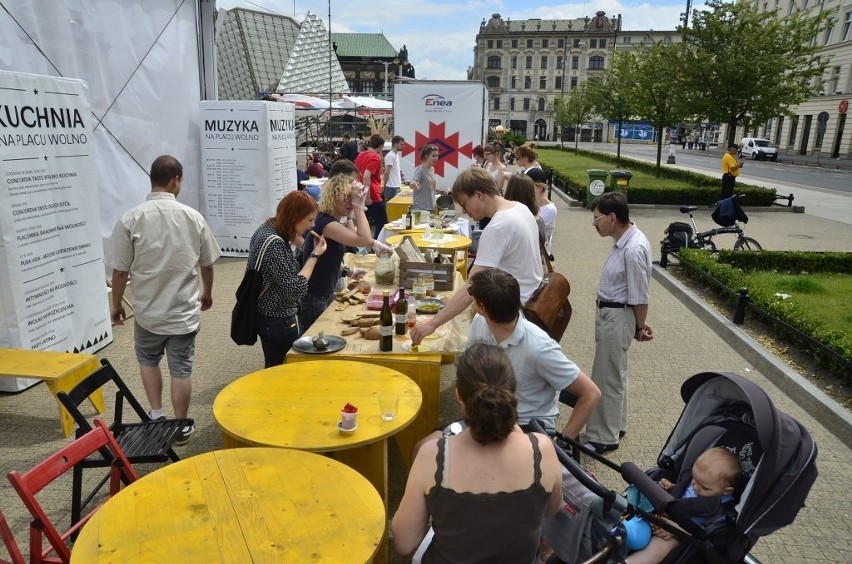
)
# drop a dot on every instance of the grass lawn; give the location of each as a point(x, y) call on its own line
point(575, 167)
point(823, 297)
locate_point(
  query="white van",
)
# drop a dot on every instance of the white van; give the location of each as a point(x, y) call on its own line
point(758, 149)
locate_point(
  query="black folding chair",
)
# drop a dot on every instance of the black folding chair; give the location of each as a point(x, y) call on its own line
point(143, 442)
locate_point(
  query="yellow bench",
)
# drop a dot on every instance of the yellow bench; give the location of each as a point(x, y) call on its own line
point(60, 372)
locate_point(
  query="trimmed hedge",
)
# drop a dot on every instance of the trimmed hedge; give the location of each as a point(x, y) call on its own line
point(732, 268)
point(792, 262)
point(698, 189)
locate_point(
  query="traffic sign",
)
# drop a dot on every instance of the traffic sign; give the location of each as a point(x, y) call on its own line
point(822, 117)
point(843, 106)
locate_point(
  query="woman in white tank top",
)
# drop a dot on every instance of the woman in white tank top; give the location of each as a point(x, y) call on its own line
point(494, 167)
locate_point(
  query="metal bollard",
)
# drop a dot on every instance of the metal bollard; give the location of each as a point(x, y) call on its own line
point(742, 301)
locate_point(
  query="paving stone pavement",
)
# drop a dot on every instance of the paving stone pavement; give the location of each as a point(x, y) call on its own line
point(684, 345)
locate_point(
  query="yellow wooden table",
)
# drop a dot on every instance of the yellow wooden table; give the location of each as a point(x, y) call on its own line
point(446, 242)
point(424, 367)
point(398, 206)
point(60, 372)
point(239, 505)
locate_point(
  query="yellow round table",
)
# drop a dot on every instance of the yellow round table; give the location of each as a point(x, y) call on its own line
point(298, 406)
point(452, 243)
point(239, 505)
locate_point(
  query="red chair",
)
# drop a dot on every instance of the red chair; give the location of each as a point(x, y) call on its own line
point(9, 541)
point(33, 481)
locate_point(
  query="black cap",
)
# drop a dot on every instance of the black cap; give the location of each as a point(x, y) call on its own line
point(537, 174)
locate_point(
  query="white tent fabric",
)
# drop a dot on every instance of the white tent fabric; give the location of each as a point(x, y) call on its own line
point(313, 67)
point(364, 102)
point(147, 64)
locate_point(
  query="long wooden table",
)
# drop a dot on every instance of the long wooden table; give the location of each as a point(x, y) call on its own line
point(58, 370)
point(424, 368)
point(239, 505)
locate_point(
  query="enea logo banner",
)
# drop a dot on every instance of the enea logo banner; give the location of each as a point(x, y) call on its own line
point(435, 103)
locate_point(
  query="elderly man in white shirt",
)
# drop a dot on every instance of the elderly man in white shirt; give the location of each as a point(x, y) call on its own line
point(622, 311)
point(164, 244)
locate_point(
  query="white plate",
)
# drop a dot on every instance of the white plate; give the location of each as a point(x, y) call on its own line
point(421, 348)
point(439, 334)
point(345, 431)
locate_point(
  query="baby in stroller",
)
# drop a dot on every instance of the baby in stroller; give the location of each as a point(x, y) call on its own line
point(777, 460)
point(714, 478)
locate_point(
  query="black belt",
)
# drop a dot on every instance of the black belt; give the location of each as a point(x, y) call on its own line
point(615, 305)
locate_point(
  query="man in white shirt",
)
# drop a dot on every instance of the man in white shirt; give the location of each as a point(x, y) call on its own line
point(509, 242)
point(392, 177)
point(163, 244)
point(623, 294)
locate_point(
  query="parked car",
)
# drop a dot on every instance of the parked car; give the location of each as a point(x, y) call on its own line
point(758, 149)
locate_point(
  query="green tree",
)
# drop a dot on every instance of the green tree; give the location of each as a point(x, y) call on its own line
point(658, 94)
point(612, 97)
point(574, 109)
point(750, 66)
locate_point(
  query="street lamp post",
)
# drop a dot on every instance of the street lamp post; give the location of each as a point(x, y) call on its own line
point(385, 63)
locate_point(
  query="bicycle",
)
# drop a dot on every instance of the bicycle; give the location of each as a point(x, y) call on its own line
point(680, 234)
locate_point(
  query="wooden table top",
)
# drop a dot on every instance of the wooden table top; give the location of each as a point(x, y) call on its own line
point(298, 405)
point(453, 242)
point(47, 365)
point(239, 505)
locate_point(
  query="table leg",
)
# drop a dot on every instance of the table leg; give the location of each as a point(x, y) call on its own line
point(66, 384)
point(371, 461)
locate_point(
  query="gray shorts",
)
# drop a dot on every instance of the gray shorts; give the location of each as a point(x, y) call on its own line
point(179, 349)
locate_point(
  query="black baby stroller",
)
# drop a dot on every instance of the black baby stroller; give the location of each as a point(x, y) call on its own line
point(778, 458)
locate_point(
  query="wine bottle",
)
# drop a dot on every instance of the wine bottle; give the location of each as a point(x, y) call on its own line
point(401, 312)
point(409, 219)
point(385, 324)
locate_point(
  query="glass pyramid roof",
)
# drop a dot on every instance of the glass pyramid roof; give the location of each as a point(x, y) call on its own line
point(313, 68)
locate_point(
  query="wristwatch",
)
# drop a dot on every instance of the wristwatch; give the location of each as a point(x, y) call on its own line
point(314, 256)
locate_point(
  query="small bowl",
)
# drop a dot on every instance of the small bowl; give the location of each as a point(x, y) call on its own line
point(345, 431)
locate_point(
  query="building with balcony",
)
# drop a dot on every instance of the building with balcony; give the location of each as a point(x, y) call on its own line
point(527, 64)
point(819, 125)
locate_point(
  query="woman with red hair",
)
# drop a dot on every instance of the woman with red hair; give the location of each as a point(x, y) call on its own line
point(285, 273)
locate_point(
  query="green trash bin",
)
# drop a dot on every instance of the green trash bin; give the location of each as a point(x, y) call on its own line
point(619, 180)
point(597, 183)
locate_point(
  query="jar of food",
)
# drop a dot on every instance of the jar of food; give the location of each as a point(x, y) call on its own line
point(429, 284)
point(419, 288)
point(385, 268)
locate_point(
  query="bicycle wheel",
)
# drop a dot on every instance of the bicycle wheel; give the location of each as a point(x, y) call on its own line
point(747, 244)
point(706, 244)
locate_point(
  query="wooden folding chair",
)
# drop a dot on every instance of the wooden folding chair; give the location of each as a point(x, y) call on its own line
point(144, 441)
point(33, 481)
point(9, 540)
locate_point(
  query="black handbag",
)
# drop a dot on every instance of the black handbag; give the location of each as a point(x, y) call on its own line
point(244, 315)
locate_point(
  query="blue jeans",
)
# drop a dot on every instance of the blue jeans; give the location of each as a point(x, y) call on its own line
point(390, 192)
point(378, 216)
point(311, 307)
point(277, 335)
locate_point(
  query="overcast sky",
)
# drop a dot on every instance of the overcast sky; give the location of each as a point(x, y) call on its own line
point(440, 34)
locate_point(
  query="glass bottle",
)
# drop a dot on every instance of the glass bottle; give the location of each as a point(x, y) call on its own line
point(401, 312)
point(385, 268)
point(409, 219)
point(385, 324)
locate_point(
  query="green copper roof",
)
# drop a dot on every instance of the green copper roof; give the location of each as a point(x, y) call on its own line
point(363, 45)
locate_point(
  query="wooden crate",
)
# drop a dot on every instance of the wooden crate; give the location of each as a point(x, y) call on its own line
point(445, 274)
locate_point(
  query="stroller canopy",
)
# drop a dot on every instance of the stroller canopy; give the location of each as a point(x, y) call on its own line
point(781, 478)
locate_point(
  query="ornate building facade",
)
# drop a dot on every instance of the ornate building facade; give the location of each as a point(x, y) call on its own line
point(527, 64)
